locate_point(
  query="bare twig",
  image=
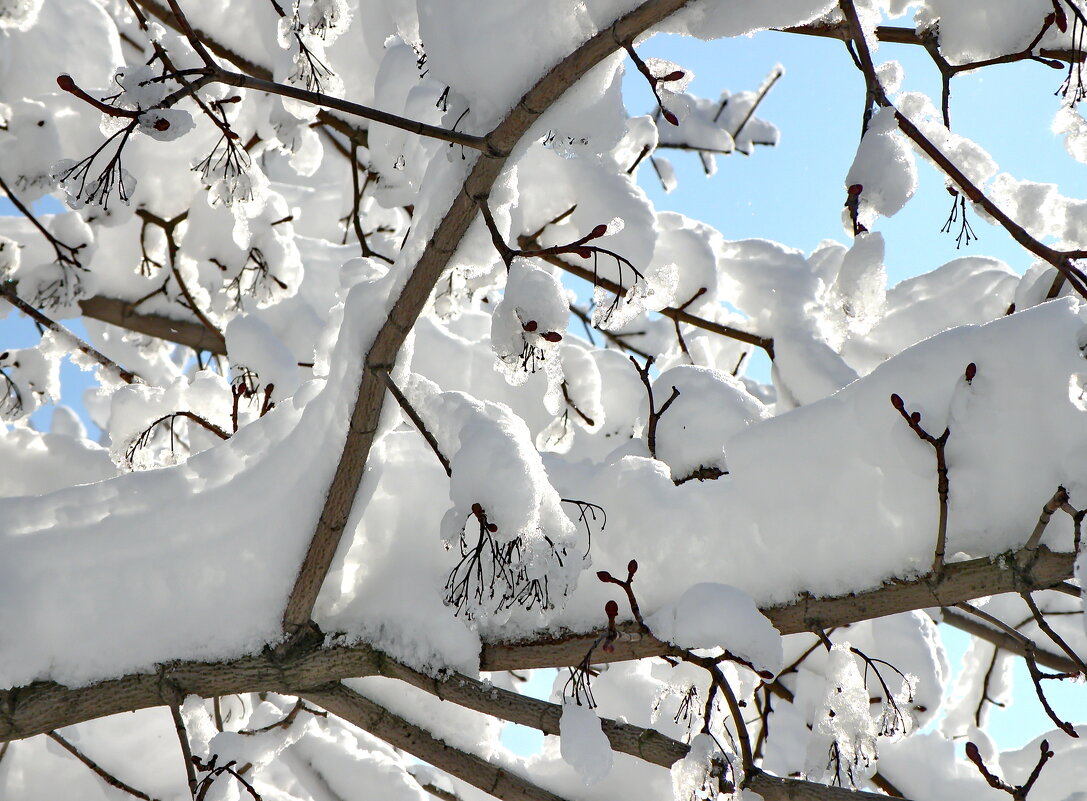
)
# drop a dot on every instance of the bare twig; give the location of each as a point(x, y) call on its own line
point(939, 445)
point(100, 772)
point(1059, 641)
point(417, 421)
point(183, 741)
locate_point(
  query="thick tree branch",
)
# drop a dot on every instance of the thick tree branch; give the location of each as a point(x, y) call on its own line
point(43, 706)
point(121, 314)
point(959, 581)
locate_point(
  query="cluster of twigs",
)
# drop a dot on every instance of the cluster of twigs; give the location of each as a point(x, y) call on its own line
point(493, 574)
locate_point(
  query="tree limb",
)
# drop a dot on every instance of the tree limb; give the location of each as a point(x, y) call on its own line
point(43, 706)
point(364, 713)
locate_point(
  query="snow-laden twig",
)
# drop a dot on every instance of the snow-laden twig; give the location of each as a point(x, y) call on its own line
point(7, 290)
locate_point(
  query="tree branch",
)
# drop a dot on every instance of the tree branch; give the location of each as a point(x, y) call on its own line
point(121, 314)
point(8, 291)
point(1000, 639)
point(958, 581)
point(476, 771)
point(43, 706)
point(679, 315)
point(419, 285)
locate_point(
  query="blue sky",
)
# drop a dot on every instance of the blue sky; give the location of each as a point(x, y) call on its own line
point(793, 193)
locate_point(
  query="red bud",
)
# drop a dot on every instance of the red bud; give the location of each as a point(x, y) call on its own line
point(677, 75)
point(632, 566)
point(585, 252)
point(529, 326)
point(896, 401)
point(598, 232)
point(855, 189)
point(491, 527)
point(603, 575)
point(477, 509)
point(162, 124)
point(611, 609)
point(971, 371)
point(916, 417)
point(65, 82)
point(952, 191)
point(552, 336)
point(672, 118)
point(1062, 21)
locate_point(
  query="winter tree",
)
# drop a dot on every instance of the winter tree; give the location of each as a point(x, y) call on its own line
point(360, 473)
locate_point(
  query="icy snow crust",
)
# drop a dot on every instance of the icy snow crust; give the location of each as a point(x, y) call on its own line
point(106, 584)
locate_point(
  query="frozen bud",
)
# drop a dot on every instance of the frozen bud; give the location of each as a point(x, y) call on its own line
point(604, 575)
point(611, 609)
point(492, 527)
point(477, 509)
point(632, 566)
point(598, 232)
point(529, 326)
point(584, 252)
point(65, 82)
point(675, 75)
point(916, 417)
point(855, 189)
point(896, 401)
point(971, 371)
point(553, 336)
point(672, 118)
point(165, 124)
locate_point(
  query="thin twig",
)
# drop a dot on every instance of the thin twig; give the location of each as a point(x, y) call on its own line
point(103, 774)
point(183, 741)
point(417, 421)
point(7, 289)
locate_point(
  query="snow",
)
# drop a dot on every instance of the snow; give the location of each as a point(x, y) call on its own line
point(884, 168)
point(584, 746)
point(709, 616)
point(164, 541)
